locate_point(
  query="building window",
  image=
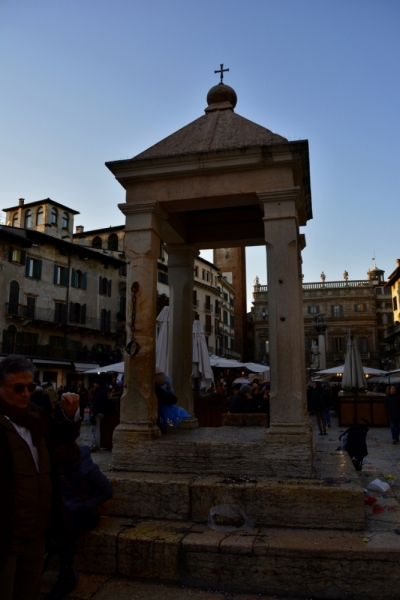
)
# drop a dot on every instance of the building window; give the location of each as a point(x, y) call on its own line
point(39, 216)
point(203, 274)
point(30, 307)
point(232, 321)
point(195, 301)
point(28, 219)
point(105, 286)
point(97, 242)
point(15, 220)
point(105, 320)
point(232, 344)
point(64, 220)
point(363, 344)
point(33, 268)
point(13, 298)
point(162, 277)
point(225, 317)
point(226, 297)
point(394, 303)
point(313, 310)
point(264, 313)
point(60, 312)
point(196, 271)
point(9, 340)
point(78, 279)
point(77, 313)
point(122, 270)
point(113, 242)
point(360, 307)
point(61, 275)
point(208, 326)
point(53, 216)
point(337, 310)
point(338, 344)
point(16, 255)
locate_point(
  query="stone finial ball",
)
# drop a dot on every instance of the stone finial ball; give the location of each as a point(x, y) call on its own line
point(222, 93)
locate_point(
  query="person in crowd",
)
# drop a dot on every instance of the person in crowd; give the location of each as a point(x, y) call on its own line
point(99, 408)
point(168, 413)
point(30, 501)
point(310, 392)
point(235, 390)
point(328, 402)
point(52, 392)
point(84, 490)
point(319, 404)
point(242, 402)
point(260, 399)
point(83, 397)
point(392, 407)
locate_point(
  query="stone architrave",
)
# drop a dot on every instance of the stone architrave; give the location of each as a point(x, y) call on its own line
point(142, 246)
point(286, 330)
point(181, 279)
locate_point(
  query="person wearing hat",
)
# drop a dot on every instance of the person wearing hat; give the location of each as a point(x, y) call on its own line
point(242, 402)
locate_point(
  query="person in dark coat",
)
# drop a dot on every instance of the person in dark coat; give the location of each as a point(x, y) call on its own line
point(319, 404)
point(242, 402)
point(30, 499)
point(99, 408)
point(392, 407)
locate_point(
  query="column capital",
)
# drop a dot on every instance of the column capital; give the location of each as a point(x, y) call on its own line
point(130, 208)
point(183, 250)
point(279, 195)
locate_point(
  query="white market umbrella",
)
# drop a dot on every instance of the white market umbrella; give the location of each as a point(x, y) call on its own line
point(116, 367)
point(262, 370)
point(241, 380)
point(225, 363)
point(162, 345)
point(201, 358)
point(353, 377)
point(340, 369)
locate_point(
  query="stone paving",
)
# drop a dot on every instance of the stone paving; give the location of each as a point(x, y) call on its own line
point(383, 459)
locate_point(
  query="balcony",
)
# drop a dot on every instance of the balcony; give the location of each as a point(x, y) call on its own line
point(195, 303)
point(57, 318)
point(208, 329)
point(217, 313)
point(208, 307)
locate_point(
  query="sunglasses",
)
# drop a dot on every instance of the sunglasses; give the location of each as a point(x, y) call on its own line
point(18, 388)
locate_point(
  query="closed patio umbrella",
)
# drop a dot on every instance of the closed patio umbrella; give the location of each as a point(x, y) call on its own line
point(201, 358)
point(162, 345)
point(353, 377)
point(116, 368)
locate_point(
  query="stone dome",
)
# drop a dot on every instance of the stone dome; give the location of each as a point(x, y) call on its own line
point(221, 93)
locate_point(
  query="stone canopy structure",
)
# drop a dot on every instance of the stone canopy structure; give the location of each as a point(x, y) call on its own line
point(220, 182)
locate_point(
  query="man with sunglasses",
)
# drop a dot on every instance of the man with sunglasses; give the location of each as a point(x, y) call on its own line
point(30, 499)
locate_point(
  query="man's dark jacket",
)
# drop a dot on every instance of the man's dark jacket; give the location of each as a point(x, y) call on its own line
point(392, 406)
point(57, 431)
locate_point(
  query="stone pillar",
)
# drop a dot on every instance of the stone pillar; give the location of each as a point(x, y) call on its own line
point(286, 328)
point(138, 402)
point(322, 351)
point(181, 280)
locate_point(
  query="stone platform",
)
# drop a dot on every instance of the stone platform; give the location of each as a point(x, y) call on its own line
point(280, 451)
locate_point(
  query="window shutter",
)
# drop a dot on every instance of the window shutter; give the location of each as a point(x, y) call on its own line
point(83, 314)
point(66, 277)
point(55, 274)
point(73, 278)
point(39, 269)
point(64, 314)
point(108, 322)
point(71, 312)
point(10, 253)
point(84, 281)
point(109, 287)
point(23, 257)
point(100, 284)
point(27, 264)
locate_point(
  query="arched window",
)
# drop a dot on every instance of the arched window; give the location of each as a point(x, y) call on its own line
point(113, 242)
point(39, 216)
point(97, 242)
point(64, 222)
point(28, 219)
point(15, 220)
point(13, 299)
point(54, 215)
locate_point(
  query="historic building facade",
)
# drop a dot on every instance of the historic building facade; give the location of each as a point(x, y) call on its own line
point(392, 358)
point(360, 305)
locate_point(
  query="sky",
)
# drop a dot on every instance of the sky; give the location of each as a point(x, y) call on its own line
point(90, 81)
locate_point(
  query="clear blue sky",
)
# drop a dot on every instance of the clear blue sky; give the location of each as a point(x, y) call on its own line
point(88, 81)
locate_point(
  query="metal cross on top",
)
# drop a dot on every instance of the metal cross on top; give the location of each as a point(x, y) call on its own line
point(221, 71)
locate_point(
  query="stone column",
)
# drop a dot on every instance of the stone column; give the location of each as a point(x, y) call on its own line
point(322, 351)
point(181, 280)
point(290, 425)
point(138, 402)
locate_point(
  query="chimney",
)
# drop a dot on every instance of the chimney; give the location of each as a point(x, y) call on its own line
point(21, 201)
point(398, 262)
point(79, 229)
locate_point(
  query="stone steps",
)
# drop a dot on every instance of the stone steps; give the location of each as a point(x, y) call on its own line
point(334, 499)
point(281, 561)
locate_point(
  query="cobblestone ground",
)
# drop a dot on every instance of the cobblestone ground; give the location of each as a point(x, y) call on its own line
point(383, 456)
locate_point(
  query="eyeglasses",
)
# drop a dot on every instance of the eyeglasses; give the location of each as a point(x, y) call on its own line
point(18, 388)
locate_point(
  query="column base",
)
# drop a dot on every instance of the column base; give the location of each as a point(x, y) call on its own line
point(126, 436)
point(291, 445)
